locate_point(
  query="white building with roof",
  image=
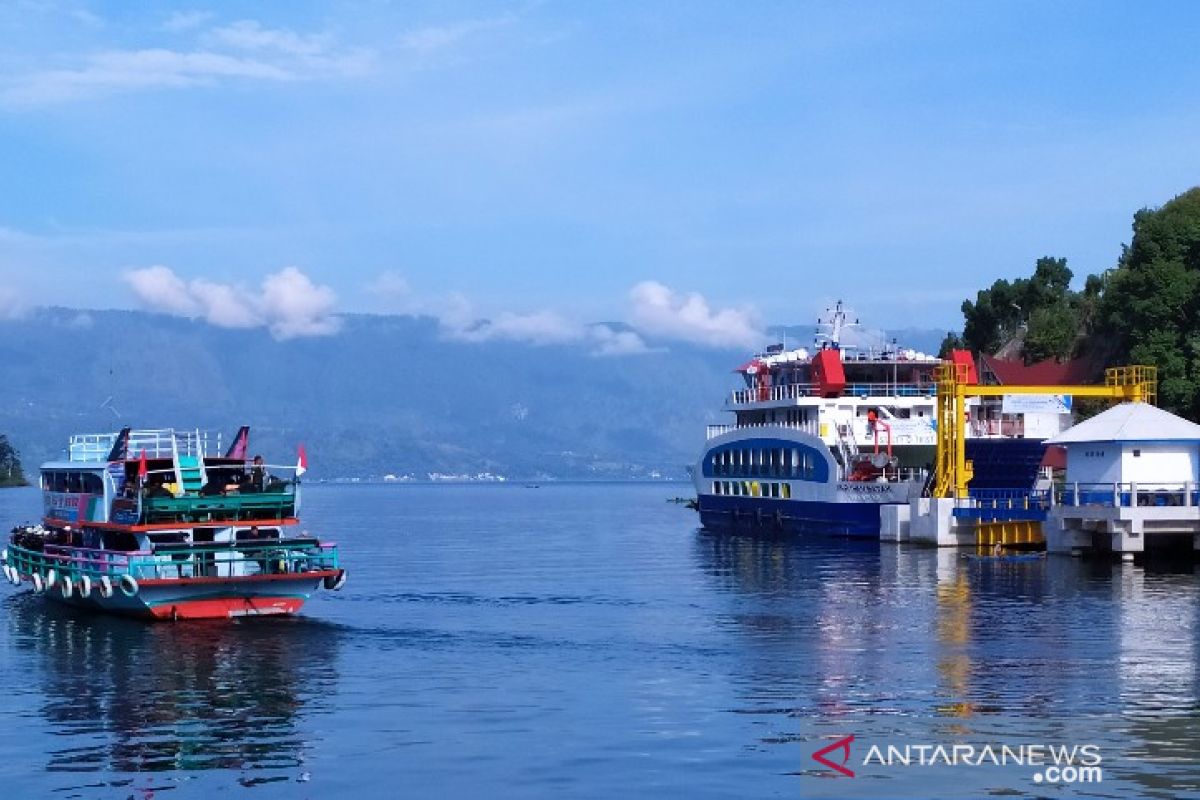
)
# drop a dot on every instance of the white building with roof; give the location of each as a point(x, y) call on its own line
point(1131, 473)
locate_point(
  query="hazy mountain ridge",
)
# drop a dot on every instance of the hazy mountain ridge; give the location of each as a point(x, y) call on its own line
point(386, 395)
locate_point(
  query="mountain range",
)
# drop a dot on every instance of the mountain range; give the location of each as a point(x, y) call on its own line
point(387, 395)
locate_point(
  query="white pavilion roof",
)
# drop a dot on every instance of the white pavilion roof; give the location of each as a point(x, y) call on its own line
point(1130, 422)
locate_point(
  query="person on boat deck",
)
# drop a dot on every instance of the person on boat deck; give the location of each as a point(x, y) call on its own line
point(258, 475)
point(871, 419)
point(158, 488)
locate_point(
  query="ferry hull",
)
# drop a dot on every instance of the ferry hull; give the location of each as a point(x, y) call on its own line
point(765, 516)
point(204, 598)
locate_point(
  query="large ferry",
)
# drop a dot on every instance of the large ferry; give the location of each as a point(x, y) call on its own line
point(822, 438)
point(163, 524)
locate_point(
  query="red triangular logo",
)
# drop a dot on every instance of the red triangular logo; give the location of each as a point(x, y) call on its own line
point(840, 744)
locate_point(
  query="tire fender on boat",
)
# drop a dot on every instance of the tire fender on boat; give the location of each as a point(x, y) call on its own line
point(85, 586)
point(129, 585)
point(37, 583)
point(106, 587)
point(67, 587)
point(51, 577)
point(336, 582)
point(8, 571)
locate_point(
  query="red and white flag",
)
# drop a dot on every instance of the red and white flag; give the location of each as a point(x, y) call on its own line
point(301, 462)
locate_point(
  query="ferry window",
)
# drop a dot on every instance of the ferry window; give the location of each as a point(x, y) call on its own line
point(716, 487)
point(1137, 453)
point(787, 491)
point(58, 482)
point(92, 484)
point(795, 470)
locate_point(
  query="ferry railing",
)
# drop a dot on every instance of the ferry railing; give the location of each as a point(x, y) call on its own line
point(714, 431)
point(166, 442)
point(219, 559)
point(90, 446)
point(1129, 494)
point(792, 391)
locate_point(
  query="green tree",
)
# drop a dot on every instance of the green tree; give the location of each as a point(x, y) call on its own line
point(1043, 306)
point(1150, 309)
point(952, 341)
point(10, 464)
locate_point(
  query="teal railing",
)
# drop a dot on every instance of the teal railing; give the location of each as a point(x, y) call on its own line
point(240, 559)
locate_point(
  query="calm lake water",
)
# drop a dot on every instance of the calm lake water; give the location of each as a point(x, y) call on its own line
point(589, 641)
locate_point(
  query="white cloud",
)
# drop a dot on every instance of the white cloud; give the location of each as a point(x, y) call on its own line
point(435, 38)
point(223, 305)
point(609, 342)
point(160, 289)
point(241, 51)
point(181, 21)
point(659, 311)
point(288, 304)
point(294, 306)
point(538, 327)
point(11, 304)
point(249, 35)
point(390, 286)
point(459, 321)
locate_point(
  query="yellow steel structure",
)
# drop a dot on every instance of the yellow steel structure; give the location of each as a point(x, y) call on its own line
point(953, 471)
point(1004, 532)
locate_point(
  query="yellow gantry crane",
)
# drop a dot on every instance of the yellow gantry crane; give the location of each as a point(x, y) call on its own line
point(953, 471)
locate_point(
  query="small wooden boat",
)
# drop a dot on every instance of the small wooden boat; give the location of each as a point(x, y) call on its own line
point(1004, 557)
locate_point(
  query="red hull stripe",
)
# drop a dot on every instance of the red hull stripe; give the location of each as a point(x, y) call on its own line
point(227, 607)
point(282, 576)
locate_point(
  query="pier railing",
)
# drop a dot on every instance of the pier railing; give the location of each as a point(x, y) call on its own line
point(990, 505)
point(1128, 494)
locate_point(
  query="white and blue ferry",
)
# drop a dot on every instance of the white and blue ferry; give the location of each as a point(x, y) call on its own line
point(822, 438)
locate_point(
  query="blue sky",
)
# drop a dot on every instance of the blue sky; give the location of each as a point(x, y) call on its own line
point(691, 168)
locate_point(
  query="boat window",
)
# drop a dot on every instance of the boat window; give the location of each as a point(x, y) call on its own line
point(787, 491)
point(92, 483)
point(716, 487)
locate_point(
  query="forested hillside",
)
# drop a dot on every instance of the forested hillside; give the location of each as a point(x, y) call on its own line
point(1144, 310)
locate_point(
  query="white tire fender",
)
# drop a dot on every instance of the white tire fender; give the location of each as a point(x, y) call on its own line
point(129, 585)
point(67, 587)
point(85, 586)
point(106, 587)
point(37, 583)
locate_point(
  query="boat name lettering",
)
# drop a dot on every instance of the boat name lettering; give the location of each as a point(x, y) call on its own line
point(872, 488)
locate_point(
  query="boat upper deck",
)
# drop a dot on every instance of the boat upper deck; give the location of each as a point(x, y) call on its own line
point(155, 477)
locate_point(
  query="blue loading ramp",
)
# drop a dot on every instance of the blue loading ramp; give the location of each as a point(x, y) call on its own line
point(1005, 473)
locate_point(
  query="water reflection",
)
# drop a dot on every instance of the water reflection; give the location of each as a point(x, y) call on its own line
point(923, 643)
point(131, 697)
